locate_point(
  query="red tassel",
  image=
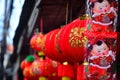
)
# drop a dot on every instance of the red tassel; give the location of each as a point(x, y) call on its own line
point(66, 70)
point(80, 72)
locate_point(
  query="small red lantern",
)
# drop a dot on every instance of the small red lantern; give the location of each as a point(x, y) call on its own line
point(36, 41)
point(27, 61)
point(66, 70)
point(25, 64)
point(80, 73)
point(44, 67)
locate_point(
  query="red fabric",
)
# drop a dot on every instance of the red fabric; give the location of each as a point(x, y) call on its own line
point(54, 78)
point(80, 73)
point(100, 18)
point(71, 40)
point(66, 70)
point(101, 28)
point(51, 48)
point(96, 72)
point(94, 36)
point(25, 64)
point(97, 61)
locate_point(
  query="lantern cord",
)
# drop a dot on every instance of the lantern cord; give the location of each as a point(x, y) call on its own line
point(71, 13)
point(41, 25)
point(67, 12)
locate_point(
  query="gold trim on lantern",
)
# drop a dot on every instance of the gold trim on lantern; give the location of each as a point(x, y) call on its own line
point(85, 63)
point(65, 63)
point(85, 17)
point(66, 78)
point(42, 78)
point(41, 53)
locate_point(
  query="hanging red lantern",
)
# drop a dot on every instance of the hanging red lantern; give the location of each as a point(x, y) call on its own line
point(36, 41)
point(27, 62)
point(80, 73)
point(26, 66)
point(27, 73)
point(44, 67)
point(72, 41)
point(66, 71)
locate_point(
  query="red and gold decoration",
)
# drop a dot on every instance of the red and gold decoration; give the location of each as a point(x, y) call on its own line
point(66, 71)
point(67, 43)
point(42, 68)
point(102, 36)
point(26, 66)
point(87, 42)
point(36, 41)
point(71, 41)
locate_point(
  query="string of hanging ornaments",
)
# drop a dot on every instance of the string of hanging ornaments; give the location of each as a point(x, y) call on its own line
point(85, 49)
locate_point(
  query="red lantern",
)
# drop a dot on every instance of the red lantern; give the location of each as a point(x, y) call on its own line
point(28, 74)
point(72, 41)
point(44, 67)
point(36, 41)
point(66, 71)
point(80, 73)
point(25, 64)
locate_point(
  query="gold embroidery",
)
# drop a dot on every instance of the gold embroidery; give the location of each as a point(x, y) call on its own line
point(76, 37)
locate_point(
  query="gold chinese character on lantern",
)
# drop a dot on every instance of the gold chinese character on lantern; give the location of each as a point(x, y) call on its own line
point(77, 38)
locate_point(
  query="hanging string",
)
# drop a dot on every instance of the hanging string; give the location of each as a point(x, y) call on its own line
point(41, 25)
point(70, 13)
point(67, 12)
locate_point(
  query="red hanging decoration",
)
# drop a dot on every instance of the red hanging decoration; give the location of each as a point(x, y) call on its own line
point(71, 41)
point(36, 41)
point(66, 70)
point(44, 67)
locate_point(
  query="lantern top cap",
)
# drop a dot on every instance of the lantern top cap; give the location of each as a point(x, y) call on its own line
point(86, 63)
point(41, 53)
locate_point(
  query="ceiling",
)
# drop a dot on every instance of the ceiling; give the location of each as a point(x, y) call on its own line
point(55, 13)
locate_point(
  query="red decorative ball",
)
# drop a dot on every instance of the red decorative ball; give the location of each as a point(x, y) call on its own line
point(36, 41)
point(44, 67)
point(66, 70)
point(25, 64)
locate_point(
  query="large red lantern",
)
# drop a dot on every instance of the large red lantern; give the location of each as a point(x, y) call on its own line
point(72, 41)
point(36, 41)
